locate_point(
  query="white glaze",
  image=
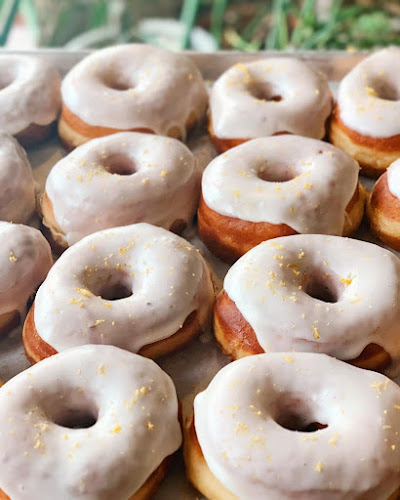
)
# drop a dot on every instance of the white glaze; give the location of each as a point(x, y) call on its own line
point(356, 456)
point(160, 89)
point(360, 106)
point(393, 178)
point(86, 197)
point(169, 279)
point(25, 260)
point(314, 201)
point(29, 92)
point(269, 285)
point(17, 185)
point(306, 100)
point(136, 429)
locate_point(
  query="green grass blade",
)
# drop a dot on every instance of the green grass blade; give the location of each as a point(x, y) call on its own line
point(306, 21)
point(189, 13)
point(8, 12)
point(217, 19)
point(278, 35)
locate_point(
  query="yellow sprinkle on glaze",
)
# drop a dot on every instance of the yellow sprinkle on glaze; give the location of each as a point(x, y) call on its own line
point(288, 358)
point(116, 429)
point(101, 370)
point(294, 268)
point(241, 427)
point(319, 467)
point(316, 334)
point(12, 257)
point(356, 299)
point(347, 281)
point(77, 302)
point(380, 386)
point(371, 91)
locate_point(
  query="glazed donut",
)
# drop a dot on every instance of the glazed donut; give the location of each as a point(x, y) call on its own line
point(268, 97)
point(133, 87)
point(120, 180)
point(95, 422)
point(277, 186)
point(17, 185)
point(383, 208)
point(286, 426)
point(25, 259)
point(137, 287)
point(365, 121)
point(29, 97)
point(314, 293)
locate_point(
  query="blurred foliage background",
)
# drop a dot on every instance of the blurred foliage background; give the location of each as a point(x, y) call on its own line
point(206, 24)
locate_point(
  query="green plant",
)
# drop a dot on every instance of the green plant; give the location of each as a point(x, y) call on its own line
point(281, 24)
point(233, 24)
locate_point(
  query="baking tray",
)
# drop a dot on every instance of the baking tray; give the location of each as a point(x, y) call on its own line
point(193, 367)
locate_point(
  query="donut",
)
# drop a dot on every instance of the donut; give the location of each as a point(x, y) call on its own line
point(119, 180)
point(29, 97)
point(286, 426)
point(383, 207)
point(314, 293)
point(268, 97)
point(365, 120)
point(95, 422)
point(139, 287)
point(25, 260)
point(17, 185)
point(131, 87)
point(277, 186)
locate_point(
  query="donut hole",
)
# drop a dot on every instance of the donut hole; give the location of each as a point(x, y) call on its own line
point(385, 90)
point(109, 285)
point(264, 91)
point(276, 173)
point(76, 418)
point(115, 291)
point(117, 81)
point(72, 410)
point(295, 414)
point(120, 164)
point(322, 286)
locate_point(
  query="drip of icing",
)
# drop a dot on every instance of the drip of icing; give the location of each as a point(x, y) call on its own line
point(255, 457)
point(323, 294)
point(131, 404)
point(269, 96)
point(17, 185)
point(162, 276)
point(393, 178)
point(25, 258)
point(29, 92)
point(135, 86)
point(160, 184)
point(308, 183)
point(369, 96)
